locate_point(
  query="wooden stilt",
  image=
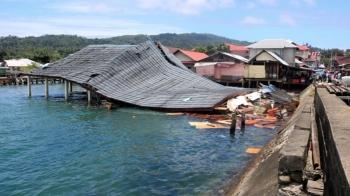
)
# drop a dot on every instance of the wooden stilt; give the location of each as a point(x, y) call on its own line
point(242, 120)
point(233, 123)
point(66, 89)
point(70, 87)
point(29, 86)
point(89, 96)
point(46, 88)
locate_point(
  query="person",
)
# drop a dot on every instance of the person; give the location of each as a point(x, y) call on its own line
point(338, 75)
point(329, 77)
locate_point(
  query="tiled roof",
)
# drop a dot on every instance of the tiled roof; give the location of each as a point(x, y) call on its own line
point(234, 47)
point(314, 55)
point(302, 47)
point(196, 56)
point(342, 60)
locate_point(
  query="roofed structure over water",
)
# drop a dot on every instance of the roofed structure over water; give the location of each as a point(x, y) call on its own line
point(146, 75)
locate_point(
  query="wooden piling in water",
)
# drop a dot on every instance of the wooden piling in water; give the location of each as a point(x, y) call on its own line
point(233, 123)
point(242, 120)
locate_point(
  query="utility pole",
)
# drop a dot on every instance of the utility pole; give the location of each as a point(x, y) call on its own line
point(331, 60)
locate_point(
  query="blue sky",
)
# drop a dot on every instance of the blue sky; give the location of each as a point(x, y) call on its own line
point(324, 24)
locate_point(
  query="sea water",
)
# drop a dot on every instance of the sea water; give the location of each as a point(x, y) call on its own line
point(58, 147)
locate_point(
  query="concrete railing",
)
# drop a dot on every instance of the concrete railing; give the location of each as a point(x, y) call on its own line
point(333, 117)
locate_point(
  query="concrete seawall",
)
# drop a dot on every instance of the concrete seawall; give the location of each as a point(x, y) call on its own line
point(282, 160)
point(281, 168)
point(333, 117)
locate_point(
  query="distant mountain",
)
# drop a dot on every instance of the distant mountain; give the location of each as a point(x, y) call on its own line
point(53, 47)
point(191, 40)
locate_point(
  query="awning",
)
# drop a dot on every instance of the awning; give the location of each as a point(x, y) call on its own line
point(223, 64)
point(297, 61)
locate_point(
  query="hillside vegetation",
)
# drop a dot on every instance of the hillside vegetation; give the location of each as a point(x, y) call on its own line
point(48, 48)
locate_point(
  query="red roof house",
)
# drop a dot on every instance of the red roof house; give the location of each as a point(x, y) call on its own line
point(342, 60)
point(239, 50)
point(189, 58)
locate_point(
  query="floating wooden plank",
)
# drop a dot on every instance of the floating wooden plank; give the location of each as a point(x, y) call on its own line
point(252, 150)
point(175, 113)
point(197, 123)
point(211, 126)
point(226, 122)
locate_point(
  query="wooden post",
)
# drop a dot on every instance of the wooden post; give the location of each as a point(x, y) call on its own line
point(29, 86)
point(242, 120)
point(70, 87)
point(89, 96)
point(66, 89)
point(233, 123)
point(46, 88)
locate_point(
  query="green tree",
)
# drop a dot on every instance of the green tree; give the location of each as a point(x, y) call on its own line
point(347, 52)
point(200, 49)
point(223, 48)
point(30, 67)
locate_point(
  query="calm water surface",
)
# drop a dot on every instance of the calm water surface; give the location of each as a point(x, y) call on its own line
point(58, 147)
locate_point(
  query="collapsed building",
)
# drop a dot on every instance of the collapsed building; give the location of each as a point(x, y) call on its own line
point(145, 75)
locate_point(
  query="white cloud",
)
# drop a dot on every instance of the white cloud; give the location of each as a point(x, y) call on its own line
point(188, 7)
point(250, 5)
point(83, 7)
point(87, 27)
point(269, 2)
point(287, 19)
point(185, 6)
point(253, 20)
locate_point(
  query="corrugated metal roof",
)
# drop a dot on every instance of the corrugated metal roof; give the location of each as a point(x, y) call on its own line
point(20, 62)
point(203, 64)
point(236, 57)
point(140, 75)
point(297, 61)
point(277, 57)
point(272, 43)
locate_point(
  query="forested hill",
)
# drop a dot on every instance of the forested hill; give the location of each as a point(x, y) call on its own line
point(53, 47)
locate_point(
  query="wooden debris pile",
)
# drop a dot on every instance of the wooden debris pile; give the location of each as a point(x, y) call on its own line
point(266, 107)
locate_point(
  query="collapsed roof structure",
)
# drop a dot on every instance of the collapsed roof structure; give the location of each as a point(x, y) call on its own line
point(145, 75)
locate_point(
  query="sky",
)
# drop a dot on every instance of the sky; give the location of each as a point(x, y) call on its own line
point(320, 23)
